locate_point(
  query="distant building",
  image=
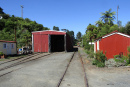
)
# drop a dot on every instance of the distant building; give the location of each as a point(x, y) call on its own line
point(91, 43)
point(114, 43)
point(8, 47)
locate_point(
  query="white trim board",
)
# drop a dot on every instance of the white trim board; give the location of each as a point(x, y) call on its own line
point(98, 45)
point(116, 33)
point(48, 30)
point(91, 43)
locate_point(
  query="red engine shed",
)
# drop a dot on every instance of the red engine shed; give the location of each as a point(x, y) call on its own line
point(115, 43)
point(51, 41)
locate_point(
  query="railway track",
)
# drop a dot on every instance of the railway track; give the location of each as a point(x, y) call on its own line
point(61, 79)
point(29, 55)
point(85, 77)
point(9, 66)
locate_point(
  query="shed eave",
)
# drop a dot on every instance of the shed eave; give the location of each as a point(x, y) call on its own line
point(48, 30)
point(8, 41)
point(125, 35)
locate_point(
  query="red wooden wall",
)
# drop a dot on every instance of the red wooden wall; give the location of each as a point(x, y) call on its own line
point(40, 43)
point(114, 45)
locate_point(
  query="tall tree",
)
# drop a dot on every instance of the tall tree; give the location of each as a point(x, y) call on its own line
point(1, 11)
point(108, 17)
point(91, 32)
point(78, 36)
point(65, 30)
point(99, 23)
point(128, 28)
point(55, 28)
point(71, 34)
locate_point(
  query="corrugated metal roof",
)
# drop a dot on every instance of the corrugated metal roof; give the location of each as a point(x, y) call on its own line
point(48, 31)
point(51, 32)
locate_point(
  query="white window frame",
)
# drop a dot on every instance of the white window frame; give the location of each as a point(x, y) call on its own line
point(11, 46)
point(4, 44)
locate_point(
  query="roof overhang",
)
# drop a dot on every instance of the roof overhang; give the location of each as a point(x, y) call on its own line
point(125, 35)
point(48, 30)
point(110, 34)
point(8, 41)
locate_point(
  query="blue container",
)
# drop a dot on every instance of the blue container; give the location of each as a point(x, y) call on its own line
point(20, 49)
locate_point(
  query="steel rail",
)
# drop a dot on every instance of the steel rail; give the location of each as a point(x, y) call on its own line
point(21, 62)
point(29, 55)
point(85, 77)
point(61, 79)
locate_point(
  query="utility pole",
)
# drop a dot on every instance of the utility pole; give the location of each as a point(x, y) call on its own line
point(82, 42)
point(15, 33)
point(22, 11)
point(117, 15)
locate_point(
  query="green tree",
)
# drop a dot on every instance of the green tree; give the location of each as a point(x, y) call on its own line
point(55, 28)
point(71, 34)
point(65, 30)
point(128, 28)
point(23, 27)
point(99, 23)
point(108, 17)
point(1, 11)
point(91, 32)
point(120, 24)
point(78, 36)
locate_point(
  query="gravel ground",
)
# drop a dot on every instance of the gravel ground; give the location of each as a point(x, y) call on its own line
point(22, 59)
point(44, 72)
point(105, 77)
point(74, 76)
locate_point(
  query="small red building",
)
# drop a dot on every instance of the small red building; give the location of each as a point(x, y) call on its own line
point(51, 41)
point(114, 43)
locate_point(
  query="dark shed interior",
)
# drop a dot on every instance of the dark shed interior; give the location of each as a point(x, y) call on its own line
point(57, 43)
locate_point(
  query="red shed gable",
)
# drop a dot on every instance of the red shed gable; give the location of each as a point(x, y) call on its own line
point(114, 43)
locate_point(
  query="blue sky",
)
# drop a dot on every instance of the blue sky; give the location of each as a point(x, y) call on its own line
point(73, 15)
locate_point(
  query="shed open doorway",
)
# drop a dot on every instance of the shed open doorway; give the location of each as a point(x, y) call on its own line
point(57, 43)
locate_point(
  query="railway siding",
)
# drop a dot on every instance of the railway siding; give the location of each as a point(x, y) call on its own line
point(43, 72)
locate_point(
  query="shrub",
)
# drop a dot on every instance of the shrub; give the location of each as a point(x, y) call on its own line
point(100, 56)
point(95, 62)
point(128, 48)
point(116, 56)
point(100, 64)
point(128, 53)
point(1, 53)
point(90, 53)
point(100, 59)
point(124, 59)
